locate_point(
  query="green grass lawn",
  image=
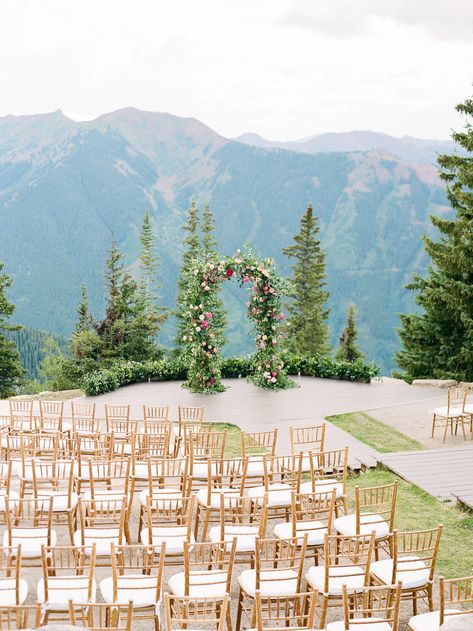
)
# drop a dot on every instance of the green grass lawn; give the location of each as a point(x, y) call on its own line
point(233, 444)
point(417, 510)
point(374, 433)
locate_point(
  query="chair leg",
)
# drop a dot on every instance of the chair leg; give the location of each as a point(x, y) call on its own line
point(445, 430)
point(239, 608)
point(414, 603)
point(462, 421)
point(430, 597)
point(229, 619)
point(70, 520)
point(323, 611)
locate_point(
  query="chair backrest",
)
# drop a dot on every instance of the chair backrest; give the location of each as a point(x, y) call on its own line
point(379, 500)
point(51, 409)
point(117, 412)
point(457, 397)
point(243, 514)
point(102, 518)
point(109, 476)
point(156, 413)
point(184, 612)
point(21, 408)
point(149, 445)
point(86, 425)
point(381, 602)
point(259, 443)
point(455, 594)
point(199, 446)
point(307, 438)
point(20, 617)
point(171, 517)
point(295, 612)
point(353, 552)
point(227, 475)
point(101, 616)
point(83, 410)
point(422, 544)
point(208, 566)
point(29, 524)
point(189, 414)
point(156, 426)
point(169, 474)
point(56, 475)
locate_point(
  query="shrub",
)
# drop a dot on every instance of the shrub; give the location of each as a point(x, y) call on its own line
point(174, 369)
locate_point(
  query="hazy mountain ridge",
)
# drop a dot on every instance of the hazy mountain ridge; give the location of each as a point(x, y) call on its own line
point(66, 186)
point(408, 148)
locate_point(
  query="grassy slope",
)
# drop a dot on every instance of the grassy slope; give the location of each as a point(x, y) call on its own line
point(374, 433)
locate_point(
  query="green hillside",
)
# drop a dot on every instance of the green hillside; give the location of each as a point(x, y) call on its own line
point(30, 343)
point(65, 187)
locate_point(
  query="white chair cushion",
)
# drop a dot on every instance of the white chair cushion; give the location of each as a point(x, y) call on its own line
point(245, 536)
point(430, 621)
point(102, 538)
point(279, 495)
point(174, 537)
point(60, 500)
point(281, 582)
point(160, 497)
point(323, 486)
point(454, 412)
point(346, 525)
point(30, 539)
point(349, 575)
point(8, 593)
point(204, 585)
point(412, 573)
point(12, 495)
point(136, 587)
point(255, 467)
point(74, 588)
point(468, 409)
point(141, 471)
point(315, 530)
point(215, 496)
point(201, 470)
point(371, 624)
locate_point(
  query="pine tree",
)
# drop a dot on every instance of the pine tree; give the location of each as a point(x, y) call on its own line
point(209, 252)
point(348, 350)
point(307, 329)
point(438, 341)
point(192, 251)
point(84, 319)
point(11, 370)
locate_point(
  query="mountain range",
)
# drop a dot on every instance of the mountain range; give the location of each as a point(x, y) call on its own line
point(66, 187)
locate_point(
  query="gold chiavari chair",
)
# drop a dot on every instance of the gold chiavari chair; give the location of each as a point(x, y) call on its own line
point(453, 414)
point(295, 612)
point(311, 513)
point(280, 479)
point(187, 416)
point(137, 577)
point(346, 562)
point(20, 617)
point(50, 420)
point(82, 410)
point(169, 521)
point(68, 575)
point(456, 603)
point(256, 444)
point(29, 525)
point(101, 616)
point(413, 556)
point(328, 470)
point(183, 612)
point(241, 519)
point(370, 608)
point(167, 478)
point(306, 439)
point(21, 415)
point(224, 477)
point(375, 508)
point(277, 572)
point(101, 524)
point(156, 413)
point(208, 569)
point(199, 447)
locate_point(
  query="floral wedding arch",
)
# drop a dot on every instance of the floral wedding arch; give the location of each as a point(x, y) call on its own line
point(202, 338)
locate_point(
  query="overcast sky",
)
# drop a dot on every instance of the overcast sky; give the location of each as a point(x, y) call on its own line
point(285, 69)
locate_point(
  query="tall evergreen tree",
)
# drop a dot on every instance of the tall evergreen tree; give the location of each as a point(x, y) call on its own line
point(110, 329)
point(84, 319)
point(438, 341)
point(307, 328)
point(348, 349)
point(192, 251)
point(209, 252)
point(11, 370)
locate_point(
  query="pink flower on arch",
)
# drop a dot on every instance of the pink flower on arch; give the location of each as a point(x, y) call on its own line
point(209, 315)
point(205, 324)
point(281, 316)
point(229, 272)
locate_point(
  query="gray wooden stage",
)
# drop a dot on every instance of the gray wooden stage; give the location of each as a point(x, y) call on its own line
point(444, 473)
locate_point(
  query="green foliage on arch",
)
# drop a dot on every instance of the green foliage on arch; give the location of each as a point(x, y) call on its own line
point(202, 338)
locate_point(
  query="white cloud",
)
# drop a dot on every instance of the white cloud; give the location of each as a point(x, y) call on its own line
point(282, 68)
